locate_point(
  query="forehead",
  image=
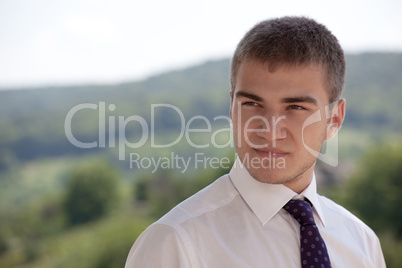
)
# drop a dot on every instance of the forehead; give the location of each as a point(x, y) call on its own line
point(261, 79)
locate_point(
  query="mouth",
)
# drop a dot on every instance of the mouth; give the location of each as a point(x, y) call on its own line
point(271, 152)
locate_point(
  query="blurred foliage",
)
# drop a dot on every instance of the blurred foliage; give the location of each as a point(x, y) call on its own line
point(47, 185)
point(91, 192)
point(37, 232)
point(28, 116)
point(392, 249)
point(103, 243)
point(374, 191)
point(372, 92)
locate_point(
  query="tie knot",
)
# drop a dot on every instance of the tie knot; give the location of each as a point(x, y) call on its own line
point(301, 211)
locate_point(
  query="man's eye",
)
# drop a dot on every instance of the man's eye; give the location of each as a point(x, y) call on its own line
point(295, 107)
point(250, 103)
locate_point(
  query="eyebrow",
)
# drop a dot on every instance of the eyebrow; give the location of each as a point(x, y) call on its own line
point(248, 95)
point(298, 99)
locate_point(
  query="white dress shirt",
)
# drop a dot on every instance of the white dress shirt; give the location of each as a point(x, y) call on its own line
point(238, 221)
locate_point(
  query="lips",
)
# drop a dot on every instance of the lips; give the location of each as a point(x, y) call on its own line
point(271, 152)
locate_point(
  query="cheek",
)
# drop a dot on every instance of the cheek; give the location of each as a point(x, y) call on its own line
point(314, 134)
point(294, 127)
point(237, 124)
point(245, 120)
point(306, 125)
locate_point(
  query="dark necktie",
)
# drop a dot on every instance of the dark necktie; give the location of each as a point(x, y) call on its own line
point(312, 247)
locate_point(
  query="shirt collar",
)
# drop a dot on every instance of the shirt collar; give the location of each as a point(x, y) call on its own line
point(266, 199)
point(311, 194)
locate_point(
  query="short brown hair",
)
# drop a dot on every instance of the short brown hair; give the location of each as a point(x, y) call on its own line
point(293, 41)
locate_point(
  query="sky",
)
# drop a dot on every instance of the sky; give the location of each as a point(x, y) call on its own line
point(71, 42)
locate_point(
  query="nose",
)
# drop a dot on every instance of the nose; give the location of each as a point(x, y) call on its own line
point(273, 129)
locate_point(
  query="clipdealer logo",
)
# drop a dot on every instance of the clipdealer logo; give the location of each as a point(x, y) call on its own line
point(116, 133)
point(147, 130)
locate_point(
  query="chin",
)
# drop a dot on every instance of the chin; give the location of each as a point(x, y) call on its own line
point(272, 176)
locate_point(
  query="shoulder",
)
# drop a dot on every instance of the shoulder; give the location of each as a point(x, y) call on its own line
point(211, 198)
point(168, 238)
point(158, 240)
point(336, 214)
point(345, 230)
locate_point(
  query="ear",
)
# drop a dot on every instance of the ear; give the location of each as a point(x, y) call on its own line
point(336, 119)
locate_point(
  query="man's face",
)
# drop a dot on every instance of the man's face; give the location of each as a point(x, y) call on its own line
point(269, 111)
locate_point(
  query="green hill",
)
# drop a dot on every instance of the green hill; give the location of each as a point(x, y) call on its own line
point(32, 120)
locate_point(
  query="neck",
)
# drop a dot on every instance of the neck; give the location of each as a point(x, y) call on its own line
point(299, 183)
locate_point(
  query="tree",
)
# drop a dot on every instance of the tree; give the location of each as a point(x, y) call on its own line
point(91, 192)
point(374, 192)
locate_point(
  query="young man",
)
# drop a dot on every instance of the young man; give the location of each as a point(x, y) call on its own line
point(287, 77)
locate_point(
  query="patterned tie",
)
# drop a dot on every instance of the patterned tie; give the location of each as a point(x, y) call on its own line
point(312, 247)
